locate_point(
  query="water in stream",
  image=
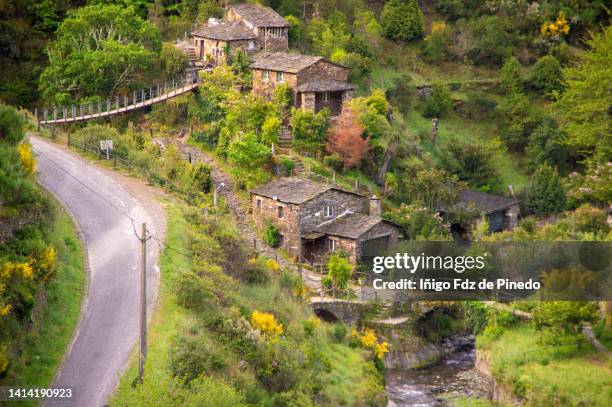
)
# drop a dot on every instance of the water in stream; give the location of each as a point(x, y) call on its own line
point(455, 375)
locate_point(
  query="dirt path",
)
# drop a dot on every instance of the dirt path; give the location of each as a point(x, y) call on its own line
point(223, 182)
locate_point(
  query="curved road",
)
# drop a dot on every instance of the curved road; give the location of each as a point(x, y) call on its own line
point(101, 202)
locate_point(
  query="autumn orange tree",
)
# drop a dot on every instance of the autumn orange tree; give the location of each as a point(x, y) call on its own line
point(346, 139)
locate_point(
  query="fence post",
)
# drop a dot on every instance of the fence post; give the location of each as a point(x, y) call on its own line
point(165, 86)
point(54, 112)
point(150, 92)
point(134, 101)
point(68, 137)
point(189, 152)
point(99, 107)
point(158, 86)
point(125, 105)
point(143, 95)
point(117, 103)
point(108, 103)
point(45, 114)
point(90, 108)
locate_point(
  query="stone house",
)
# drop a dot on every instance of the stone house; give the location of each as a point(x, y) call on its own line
point(317, 219)
point(250, 27)
point(316, 82)
point(501, 212)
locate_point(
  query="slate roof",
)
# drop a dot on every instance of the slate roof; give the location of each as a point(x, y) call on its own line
point(483, 202)
point(350, 225)
point(294, 190)
point(259, 16)
point(226, 31)
point(284, 61)
point(324, 85)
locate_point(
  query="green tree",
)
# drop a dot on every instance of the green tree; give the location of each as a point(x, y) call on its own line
point(518, 118)
point(439, 101)
point(561, 321)
point(340, 270)
point(428, 187)
point(545, 194)
point(510, 77)
point(296, 29)
point(99, 50)
point(547, 144)
point(310, 129)
point(270, 130)
point(546, 74)
point(11, 125)
point(418, 223)
point(248, 152)
point(173, 60)
point(470, 162)
point(585, 103)
point(402, 20)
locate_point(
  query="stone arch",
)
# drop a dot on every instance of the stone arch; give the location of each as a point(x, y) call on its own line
point(326, 315)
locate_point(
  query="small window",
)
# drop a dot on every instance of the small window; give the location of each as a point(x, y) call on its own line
point(332, 245)
point(326, 96)
point(329, 211)
point(280, 76)
point(259, 204)
point(280, 212)
point(265, 75)
point(251, 45)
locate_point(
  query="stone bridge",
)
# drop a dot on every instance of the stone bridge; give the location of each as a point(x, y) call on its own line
point(334, 309)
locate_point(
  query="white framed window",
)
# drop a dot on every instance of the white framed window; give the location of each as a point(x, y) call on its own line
point(281, 212)
point(332, 245)
point(265, 75)
point(329, 211)
point(280, 77)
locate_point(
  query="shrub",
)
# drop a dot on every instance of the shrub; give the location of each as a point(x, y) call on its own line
point(546, 74)
point(402, 20)
point(339, 332)
point(310, 129)
point(435, 48)
point(248, 152)
point(11, 125)
point(439, 101)
point(256, 271)
point(545, 194)
point(192, 291)
point(479, 105)
point(401, 93)
point(470, 162)
point(590, 220)
point(190, 357)
point(310, 325)
point(561, 321)
point(346, 139)
point(547, 145)
point(418, 223)
point(334, 161)
point(267, 325)
point(27, 158)
point(340, 270)
point(288, 165)
point(271, 235)
point(510, 77)
point(518, 119)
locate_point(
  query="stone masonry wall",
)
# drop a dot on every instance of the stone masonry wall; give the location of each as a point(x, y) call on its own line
point(265, 88)
point(287, 225)
point(380, 230)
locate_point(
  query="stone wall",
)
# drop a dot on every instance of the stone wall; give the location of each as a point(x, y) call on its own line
point(265, 88)
point(511, 217)
point(287, 225)
point(273, 39)
point(378, 231)
point(323, 70)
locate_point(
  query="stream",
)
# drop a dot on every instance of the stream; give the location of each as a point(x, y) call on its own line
point(454, 376)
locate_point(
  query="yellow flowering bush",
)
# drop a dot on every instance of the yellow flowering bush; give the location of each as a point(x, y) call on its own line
point(554, 28)
point(27, 158)
point(368, 340)
point(267, 325)
point(273, 265)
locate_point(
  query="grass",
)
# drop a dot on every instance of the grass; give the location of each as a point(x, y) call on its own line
point(44, 344)
point(567, 376)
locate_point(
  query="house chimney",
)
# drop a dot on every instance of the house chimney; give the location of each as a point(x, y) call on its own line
point(375, 207)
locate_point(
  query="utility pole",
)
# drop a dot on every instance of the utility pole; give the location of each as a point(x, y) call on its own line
point(143, 302)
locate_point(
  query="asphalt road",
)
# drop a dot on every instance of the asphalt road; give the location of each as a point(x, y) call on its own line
point(109, 326)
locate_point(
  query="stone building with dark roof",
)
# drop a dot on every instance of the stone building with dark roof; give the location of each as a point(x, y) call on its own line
point(317, 219)
point(316, 82)
point(250, 27)
point(501, 212)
